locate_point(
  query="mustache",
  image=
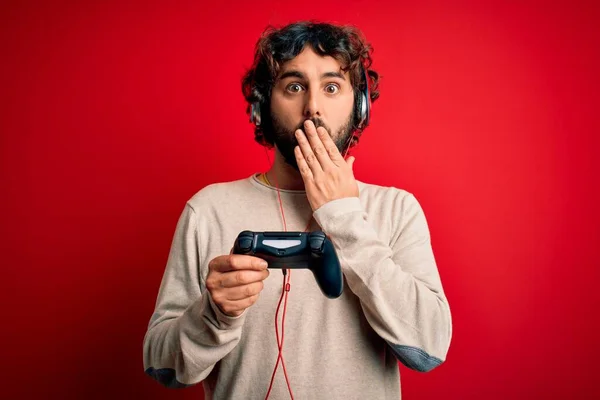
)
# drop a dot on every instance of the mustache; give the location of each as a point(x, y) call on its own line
point(317, 121)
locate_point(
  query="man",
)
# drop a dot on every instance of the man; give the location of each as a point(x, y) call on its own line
point(215, 314)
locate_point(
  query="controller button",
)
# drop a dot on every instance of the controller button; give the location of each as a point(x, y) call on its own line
point(316, 244)
point(245, 244)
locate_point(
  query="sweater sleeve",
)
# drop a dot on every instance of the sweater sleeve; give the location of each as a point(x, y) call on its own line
point(187, 333)
point(398, 284)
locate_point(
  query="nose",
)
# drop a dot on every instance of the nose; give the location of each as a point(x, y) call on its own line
point(312, 106)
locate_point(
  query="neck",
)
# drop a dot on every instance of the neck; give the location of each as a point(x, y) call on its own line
point(284, 175)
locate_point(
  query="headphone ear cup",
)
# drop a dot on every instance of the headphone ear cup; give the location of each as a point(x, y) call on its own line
point(367, 108)
point(357, 108)
point(366, 101)
point(363, 105)
point(255, 117)
point(364, 109)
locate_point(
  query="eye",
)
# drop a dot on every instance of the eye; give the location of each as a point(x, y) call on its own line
point(332, 88)
point(294, 87)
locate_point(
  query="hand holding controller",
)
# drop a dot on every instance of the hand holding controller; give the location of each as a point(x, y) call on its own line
point(296, 250)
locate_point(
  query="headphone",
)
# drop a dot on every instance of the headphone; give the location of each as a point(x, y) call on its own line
point(363, 106)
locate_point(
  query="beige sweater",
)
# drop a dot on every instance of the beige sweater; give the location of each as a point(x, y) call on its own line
point(393, 306)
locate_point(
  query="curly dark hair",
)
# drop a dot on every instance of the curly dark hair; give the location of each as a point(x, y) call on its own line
point(276, 46)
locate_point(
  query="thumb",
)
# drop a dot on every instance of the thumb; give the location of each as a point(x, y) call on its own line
point(350, 161)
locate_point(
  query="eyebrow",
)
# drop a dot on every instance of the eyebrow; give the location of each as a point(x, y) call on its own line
point(297, 74)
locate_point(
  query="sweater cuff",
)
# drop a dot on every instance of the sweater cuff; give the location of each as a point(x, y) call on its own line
point(355, 241)
point(206, 309)
point(226, 321)
point(328, 215)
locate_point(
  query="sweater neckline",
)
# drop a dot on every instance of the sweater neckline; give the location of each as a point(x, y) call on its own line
point(255, 181)
point(259, 184)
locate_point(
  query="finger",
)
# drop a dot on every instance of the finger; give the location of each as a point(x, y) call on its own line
point(234, 262)
point(240, 278)
point(236, 307)
point(245, 291)
point(303, 167)
point(307, 152)
point(317, 140)
point(334, 157)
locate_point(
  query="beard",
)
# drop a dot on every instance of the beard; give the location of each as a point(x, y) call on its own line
point(285, 139)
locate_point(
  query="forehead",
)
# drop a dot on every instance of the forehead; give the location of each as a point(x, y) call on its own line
point(311, 64)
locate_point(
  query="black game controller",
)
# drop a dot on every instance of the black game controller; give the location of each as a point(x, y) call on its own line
point(296, 250)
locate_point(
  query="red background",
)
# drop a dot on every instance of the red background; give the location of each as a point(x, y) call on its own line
point(113, 114)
